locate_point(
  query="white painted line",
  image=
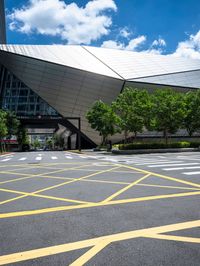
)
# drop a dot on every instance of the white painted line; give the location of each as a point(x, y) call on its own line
point(22, 159)
point(5, 160)
point(163, 165)
point(38, 158)
point(181, 168)
point(68, 157)
point(160, 162)
point(54, 157)
point(192, 173)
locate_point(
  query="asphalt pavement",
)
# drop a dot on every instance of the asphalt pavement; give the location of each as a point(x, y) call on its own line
point(95, 208)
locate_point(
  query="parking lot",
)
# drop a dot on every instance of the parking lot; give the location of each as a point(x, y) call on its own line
point(63, 208)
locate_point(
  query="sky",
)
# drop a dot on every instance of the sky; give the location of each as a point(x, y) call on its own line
point(148, 26)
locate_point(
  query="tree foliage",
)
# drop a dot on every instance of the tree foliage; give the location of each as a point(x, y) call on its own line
point(192, 117)
point(103, 119)
point(132, 106)
point(12, 124)
point(3, 127)
point(163, 110)
point(168, 111)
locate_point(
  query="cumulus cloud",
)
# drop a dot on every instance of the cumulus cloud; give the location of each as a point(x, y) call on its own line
point(76, 25)
point(132, 45)
point(189, 48)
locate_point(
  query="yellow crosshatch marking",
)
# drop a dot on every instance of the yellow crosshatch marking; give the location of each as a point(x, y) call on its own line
point(79, 204)
point(98, 243)
point(95, 245)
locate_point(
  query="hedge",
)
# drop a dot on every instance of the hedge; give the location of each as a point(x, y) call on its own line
point(136, 146)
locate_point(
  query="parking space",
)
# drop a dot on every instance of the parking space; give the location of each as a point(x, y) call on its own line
point(95, 210)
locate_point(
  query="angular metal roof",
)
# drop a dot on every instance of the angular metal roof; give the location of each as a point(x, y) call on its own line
point(118, 64)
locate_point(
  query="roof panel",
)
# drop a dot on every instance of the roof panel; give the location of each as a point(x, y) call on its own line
point(189, 79)
point(67, 55)
point(132, 65)
point(109, 62)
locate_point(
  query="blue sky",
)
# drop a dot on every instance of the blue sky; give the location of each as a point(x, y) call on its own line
point(153, 26)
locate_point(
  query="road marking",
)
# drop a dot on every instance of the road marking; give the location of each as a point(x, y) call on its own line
point(163, 176)
point(99, 243)
point(40, 196)
point(38, 158)
point(191, 173)
point(27, 176)
point(125, 188)
point(59, 185)
point(98, 204)
point(90, 253)
point(173, 164)
point(181, 168)
point(22, 159)
point(174, 238)
point(68, 157)
point(54, 157)
point(158, 162)
point(5, 160)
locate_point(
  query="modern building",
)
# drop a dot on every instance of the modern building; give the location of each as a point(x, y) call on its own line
point(63, 81)
point(48, 83)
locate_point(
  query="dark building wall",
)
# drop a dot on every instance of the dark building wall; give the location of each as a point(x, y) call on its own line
point(2, 23)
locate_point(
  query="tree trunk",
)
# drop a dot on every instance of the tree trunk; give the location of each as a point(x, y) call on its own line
point(103, 140)
point(135, 135)
point(165, 133)
point(125, 136)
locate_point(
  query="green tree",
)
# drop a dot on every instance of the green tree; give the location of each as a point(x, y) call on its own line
point(3, 128)
point(12, 124)
point(132, 106)
point(168, 111)
point(58, 140)
point(22, 136)
point(103, 119)
point(36, 143)
point(192, 117)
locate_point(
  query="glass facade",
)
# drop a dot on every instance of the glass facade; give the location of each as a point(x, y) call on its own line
point(17, 97)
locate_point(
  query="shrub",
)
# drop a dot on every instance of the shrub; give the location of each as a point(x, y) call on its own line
point(136, 146)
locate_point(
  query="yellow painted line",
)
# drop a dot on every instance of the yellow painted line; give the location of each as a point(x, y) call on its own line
point(90, 253)
point(78, 179)
point(173, 187)
point(98, 204)
point(99, 242)
point(174, 238)
point(59, 185)
point(125, 188)
point(41, 196)
point(10, 200)
point(164, 176)
point(28, 176)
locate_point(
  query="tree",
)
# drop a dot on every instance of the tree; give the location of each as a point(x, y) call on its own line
point(132, 106)
point(103, 119)
point(168, 111)
point(12, 124)
point(192, 117)
point(3, 128)
point(22, 136)
point(36, 143)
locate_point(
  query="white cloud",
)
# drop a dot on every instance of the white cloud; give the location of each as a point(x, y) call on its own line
point(133, 44)
point(189, 48)
point(159, 42)
point(113, 45)
point(76, 25)
point(124, 32)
